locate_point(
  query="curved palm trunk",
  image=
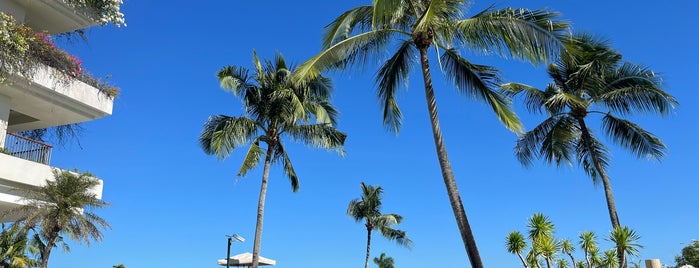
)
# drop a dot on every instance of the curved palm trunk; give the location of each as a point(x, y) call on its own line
point(572, 260)
point(368, 245)
point(611, 205)
point(447, 173)
point(50, 243)
point(261, 208)
point(548, 262)
point(524, 263)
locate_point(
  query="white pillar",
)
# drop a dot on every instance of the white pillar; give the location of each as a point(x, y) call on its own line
point(653, 263)
point(4, 118)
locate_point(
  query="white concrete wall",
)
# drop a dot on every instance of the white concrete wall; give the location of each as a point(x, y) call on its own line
point(4, 117)
point(9, 7)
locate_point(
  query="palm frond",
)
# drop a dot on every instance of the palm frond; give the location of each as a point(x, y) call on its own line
point(560, 142)
point(234, 79)
point(318, 135)
point(632, 88)
point(384, 13)
point(534, 98)
point(515, 242)
point(631, 136)
point(532, 35)
point(392, 74)
point(281, 155)
point(479, 81)
point(221, 134)
point(252, 157)
point(439, 12)
point(343, 26)
point(591, 151)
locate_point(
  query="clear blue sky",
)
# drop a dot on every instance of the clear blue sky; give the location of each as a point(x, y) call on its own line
point(172, 204)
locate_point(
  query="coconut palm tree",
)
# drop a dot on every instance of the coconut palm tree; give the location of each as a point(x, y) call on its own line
point(568, 249)
point(588, 243)
point(384, 261)
point(368, 209)
point(591, 79)
point(14, 245)
point(275, 108)
point(516, 244)
point(415, 26)
point(63, 207)
point(625, 240)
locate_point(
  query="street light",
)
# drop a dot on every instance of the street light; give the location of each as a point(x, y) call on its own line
point(228, 253)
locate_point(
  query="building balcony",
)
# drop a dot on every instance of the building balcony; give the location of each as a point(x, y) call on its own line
point(52, 16)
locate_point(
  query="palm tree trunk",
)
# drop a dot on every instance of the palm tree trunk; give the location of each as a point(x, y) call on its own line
point(50, 243)
point(524, 263)
point(572, 260)
point(261, 207)
point(447, 173)
point(611, 205)
point(368, 245)
point(548, 262)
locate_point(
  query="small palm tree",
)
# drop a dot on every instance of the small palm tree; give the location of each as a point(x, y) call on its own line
point(413, 28)
point(368, 208)
point(63, 206)
point(14, 247)
point(591, 79)
point(609, 259)
point(384, 261)
point(625, 240)
point(275, 107)
point(562, 263)
point(516, 244)
point(588, 243)
point(568, 249)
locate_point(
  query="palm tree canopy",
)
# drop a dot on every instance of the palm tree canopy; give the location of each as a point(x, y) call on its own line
point(275, 107)
point(515, 242)
point(368, 208)
point(66, 205)
point(367, 32)
point(384, 261)
point(626, 239)
point(591, 78)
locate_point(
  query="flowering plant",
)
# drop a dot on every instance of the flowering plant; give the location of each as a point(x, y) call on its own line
point(108, 11)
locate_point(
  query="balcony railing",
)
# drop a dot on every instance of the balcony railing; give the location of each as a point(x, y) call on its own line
point(26, 148)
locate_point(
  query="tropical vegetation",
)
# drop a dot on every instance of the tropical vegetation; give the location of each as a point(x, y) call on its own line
point(63, 207)
point(275, 108)
point(14, 248)
point(384, 261)
point(689, 255)
point(544, 247)
point(367, 208)
point(409, 29)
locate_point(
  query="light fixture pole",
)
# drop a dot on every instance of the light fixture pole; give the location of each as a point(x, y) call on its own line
point(228, 253)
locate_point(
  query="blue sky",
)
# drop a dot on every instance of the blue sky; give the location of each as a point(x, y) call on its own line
point(173, 205)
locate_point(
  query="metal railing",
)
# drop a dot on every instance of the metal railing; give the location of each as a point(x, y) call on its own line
point(26, 148)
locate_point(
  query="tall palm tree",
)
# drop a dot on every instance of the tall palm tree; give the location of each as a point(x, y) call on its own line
point(591, 79)
point(275, 107)
point(415, 26)
point(14, 245)
point(63, 206)
point(384, 261)
point(516, 244)
point(626, 243)
point(368, 208)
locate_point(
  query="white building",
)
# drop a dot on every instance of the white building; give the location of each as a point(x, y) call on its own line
point(41, 101)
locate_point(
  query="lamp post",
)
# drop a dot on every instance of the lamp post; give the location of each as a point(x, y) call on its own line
point(228, 253)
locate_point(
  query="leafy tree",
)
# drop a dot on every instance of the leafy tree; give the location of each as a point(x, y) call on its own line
point(588, 243)
point(275, 108)
point(568, 249)
point(689, 255)
point(413, 27)
point(14, 247)
point(118, 266)
point(591, 79)
point(368, 209)
point(63, 206)
point(516, 244)
point(625, 240)
point(384, 261)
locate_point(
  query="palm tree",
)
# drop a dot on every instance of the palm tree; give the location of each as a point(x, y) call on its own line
point(275, 107)
point(541, 234)
point(562, 263)
point(625, 240)
point(568, 249)
point(368, 208)
point(609, 259)
point(14, 246)
point(366, 32)
point(588, 243)
point(384, 261)
point(589, 79)
point(516, 244)
point(63, 206)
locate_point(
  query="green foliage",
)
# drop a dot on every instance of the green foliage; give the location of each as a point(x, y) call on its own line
point(384, 261)
point(14, 247)
point(63, 207)
point(118, 266)
point(689, 255)
point(546, 247)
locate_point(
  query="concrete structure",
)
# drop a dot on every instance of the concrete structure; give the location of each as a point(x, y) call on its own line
point(41, 101)
point(653, 263)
